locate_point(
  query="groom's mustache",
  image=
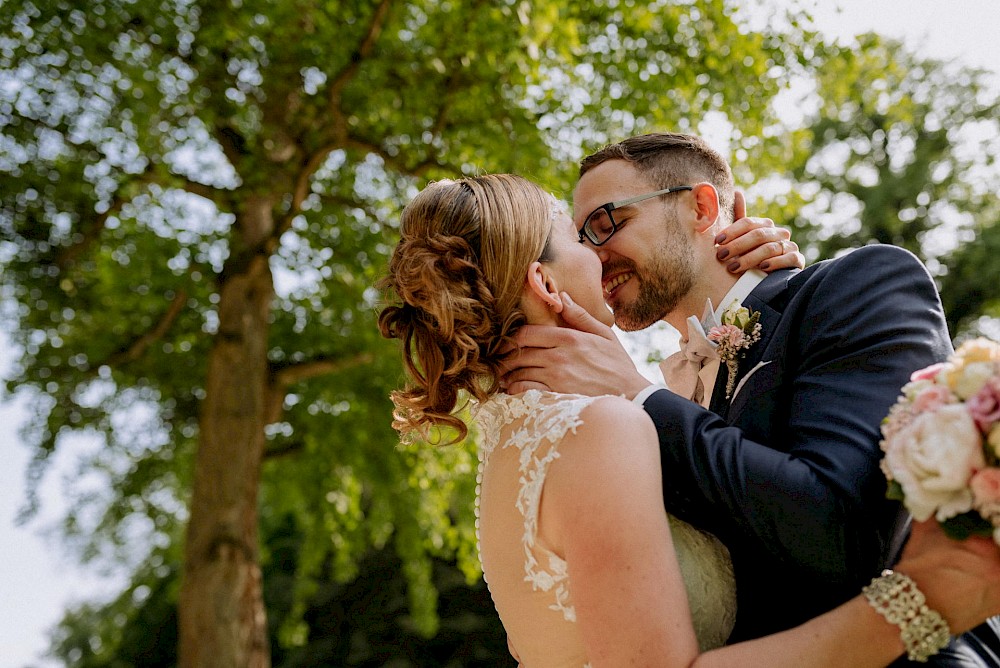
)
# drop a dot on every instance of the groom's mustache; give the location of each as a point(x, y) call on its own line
point(617, 267)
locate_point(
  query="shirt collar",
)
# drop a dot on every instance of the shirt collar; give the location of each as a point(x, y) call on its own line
point(748, 281)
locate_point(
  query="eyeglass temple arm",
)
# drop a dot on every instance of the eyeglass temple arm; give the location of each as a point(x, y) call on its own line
point(639, 198)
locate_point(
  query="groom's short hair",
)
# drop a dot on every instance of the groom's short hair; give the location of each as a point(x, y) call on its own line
point(671, 159)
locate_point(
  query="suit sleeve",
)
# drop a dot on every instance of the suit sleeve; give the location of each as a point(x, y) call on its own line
point(813, 493)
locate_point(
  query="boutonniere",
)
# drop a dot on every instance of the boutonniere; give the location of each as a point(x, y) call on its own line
point(739, 330)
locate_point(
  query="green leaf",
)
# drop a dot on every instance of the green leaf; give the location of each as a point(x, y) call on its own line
point(966, 525)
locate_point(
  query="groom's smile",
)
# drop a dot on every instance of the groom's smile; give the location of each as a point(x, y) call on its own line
point(613, 282)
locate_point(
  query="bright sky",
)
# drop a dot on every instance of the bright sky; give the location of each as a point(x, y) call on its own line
point(38, 579)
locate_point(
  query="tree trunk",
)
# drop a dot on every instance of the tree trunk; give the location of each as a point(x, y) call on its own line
point(221, 610)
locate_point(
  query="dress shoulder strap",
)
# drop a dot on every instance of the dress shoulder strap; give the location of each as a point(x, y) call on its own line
point(544, 419)
point(539, 421)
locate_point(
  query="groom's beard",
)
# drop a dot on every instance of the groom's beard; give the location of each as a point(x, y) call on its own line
point(663, 282)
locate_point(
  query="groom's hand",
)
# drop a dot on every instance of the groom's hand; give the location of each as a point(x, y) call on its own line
point(583, 358)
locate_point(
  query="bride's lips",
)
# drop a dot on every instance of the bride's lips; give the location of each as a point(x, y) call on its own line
point(612, 283)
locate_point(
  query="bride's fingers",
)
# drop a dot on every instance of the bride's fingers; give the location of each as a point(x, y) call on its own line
point(518, 386)
point(768, 257)
point(742, 226)
point(578, 318)
point(739, 205)
point(747, 234)
point(766, 248)
point(791, 258)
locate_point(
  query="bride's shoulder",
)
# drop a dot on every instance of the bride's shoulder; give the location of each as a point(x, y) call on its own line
point(617, 415)
point(616, 408)
point(612, 453)
point(608, 426)
point(597, 417)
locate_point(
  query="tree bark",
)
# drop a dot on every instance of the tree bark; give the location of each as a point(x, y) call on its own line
point(221, 610)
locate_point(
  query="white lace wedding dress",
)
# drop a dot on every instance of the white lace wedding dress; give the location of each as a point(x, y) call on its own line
point(519, 438)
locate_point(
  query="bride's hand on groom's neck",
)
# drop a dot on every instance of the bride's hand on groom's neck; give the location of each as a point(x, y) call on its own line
point(584, 357)
point(755, 243)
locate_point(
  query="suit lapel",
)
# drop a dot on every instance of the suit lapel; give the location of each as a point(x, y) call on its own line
point(761, 300)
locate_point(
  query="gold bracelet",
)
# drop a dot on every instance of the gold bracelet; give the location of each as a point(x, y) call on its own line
point(896, 597)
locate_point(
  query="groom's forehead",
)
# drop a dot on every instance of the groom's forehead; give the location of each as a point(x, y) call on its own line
point(607, 182)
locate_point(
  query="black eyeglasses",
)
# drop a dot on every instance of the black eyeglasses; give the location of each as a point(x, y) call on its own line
point(600, 224)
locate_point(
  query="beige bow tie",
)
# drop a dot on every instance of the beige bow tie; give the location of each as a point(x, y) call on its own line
point(681, 370)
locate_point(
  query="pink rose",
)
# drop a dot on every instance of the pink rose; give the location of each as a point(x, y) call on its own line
point(900, 415)
point(984, 406)
point(985, 487)
point(931, 398)
point(927, 373)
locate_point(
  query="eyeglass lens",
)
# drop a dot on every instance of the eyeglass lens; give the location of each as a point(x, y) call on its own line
point(600, 225)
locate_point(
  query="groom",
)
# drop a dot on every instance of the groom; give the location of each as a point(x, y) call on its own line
point(775, 452)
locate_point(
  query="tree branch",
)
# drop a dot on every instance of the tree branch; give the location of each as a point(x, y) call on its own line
point(283, 375)
point(284, 449)
point(233, 145)
point(352, 203)
point(301, 190)
point(335, 96)
point(140, 344)
point(289, 374)
point(340, 81)
point(210, 193)
point(67, 255)
point(452, 84)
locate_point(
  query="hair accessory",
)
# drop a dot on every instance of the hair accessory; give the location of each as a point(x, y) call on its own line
point(896, 597)
point(557, 208)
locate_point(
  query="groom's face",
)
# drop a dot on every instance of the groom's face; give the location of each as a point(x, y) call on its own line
point(648, 265)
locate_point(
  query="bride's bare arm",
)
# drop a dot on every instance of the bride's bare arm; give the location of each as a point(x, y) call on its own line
point(603, 510)
point(603, 506)
point(960, 579)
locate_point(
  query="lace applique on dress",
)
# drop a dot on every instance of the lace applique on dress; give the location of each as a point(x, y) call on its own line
point(533, 425)
point(546, 420)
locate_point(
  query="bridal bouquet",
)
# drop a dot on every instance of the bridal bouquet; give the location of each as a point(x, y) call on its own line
point(942, 442)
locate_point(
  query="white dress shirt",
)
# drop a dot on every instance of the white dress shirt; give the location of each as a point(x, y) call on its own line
point(710, 372)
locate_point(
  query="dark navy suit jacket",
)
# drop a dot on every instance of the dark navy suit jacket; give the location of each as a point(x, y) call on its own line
point(786, 471)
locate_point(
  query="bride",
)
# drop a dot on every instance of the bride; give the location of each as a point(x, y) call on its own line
point(583, 564)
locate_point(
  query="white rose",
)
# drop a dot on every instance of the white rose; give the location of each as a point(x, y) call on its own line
point(933, 458)
point(972, 378)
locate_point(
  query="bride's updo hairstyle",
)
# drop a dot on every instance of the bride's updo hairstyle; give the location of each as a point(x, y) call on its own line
point(458, 271)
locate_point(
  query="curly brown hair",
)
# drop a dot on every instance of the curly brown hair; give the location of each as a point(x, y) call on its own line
point(458, 273)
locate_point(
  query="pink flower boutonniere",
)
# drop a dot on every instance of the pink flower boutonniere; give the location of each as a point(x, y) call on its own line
point(739, 330)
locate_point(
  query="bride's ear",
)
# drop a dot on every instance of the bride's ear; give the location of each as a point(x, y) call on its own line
point(543, 285)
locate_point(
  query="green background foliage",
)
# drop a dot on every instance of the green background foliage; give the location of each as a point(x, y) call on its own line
point(134, 135)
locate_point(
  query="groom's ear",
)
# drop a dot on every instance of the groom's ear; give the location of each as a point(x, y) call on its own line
point(543, 285)
point(706, 206)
